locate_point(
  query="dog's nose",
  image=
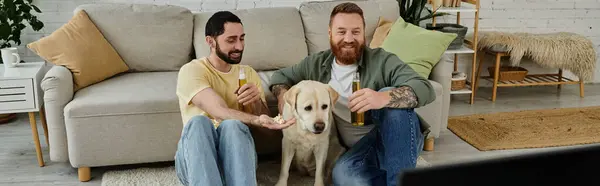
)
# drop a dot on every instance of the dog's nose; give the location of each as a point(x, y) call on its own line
point(319, 126)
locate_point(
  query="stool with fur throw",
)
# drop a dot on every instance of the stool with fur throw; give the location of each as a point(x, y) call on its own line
point(561, 50)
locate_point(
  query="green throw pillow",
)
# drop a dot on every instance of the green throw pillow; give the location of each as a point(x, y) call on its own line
point(419, 48)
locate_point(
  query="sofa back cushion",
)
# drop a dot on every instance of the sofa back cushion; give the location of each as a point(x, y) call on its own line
point(315, 17)
point(274, 37)
point(148, 37)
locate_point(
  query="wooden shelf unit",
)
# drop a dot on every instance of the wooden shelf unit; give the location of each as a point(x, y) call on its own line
point(469, 47)
point(466, 90)
point(535, 79)
point(530, 79)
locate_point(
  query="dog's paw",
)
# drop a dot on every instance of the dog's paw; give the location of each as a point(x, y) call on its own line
point(281, 183)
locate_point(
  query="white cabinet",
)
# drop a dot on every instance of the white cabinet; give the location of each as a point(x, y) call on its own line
point(16, 94)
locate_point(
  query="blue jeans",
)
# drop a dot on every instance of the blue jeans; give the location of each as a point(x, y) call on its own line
point(221, 156)
point(378, 157)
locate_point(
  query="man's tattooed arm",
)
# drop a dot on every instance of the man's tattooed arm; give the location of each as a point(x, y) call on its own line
point(402, 97)
point(278, 88)
point(278, 91)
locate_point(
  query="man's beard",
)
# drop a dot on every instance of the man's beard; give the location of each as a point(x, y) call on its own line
point(347, 57)
point(226, 58)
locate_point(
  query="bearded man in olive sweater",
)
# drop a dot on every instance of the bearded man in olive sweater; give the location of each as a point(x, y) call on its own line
point(393, 134)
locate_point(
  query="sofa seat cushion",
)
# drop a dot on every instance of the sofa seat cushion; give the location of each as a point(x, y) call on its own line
point(148, 37)
point(275, 37)
point(126, 94)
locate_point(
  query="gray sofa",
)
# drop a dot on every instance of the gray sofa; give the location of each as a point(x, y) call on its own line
point(134, 117)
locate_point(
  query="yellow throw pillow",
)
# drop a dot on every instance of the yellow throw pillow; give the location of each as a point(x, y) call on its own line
point(383, 28)
point(80, 46)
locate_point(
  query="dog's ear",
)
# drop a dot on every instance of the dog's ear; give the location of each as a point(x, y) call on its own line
point(290, 96)
point(333, 95)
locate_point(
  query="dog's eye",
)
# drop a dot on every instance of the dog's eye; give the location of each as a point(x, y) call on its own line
point(324, 107)
point(308, 108)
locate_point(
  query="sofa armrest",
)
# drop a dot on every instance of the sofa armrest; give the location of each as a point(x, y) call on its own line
point(57, 85)
point(442, 73)
point(430, 113)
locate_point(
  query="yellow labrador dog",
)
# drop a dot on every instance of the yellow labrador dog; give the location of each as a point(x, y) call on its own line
point(312, 142)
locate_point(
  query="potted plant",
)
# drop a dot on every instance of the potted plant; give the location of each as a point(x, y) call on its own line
point(457, 29)
point(411, 11)
point(13, 16)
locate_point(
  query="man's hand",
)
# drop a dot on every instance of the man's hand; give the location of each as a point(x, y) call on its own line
point(248, 94)
point(270, 123)
point(366, 99)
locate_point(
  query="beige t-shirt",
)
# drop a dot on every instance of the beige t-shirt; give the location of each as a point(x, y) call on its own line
point(199, 74)
point(341, 81)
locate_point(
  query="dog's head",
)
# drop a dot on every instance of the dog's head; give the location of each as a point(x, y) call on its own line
point(311, 103)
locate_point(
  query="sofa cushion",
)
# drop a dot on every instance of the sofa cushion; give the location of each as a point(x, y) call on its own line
point(274, 37)
point(315, 17)
point(148, 37)
point(129, 93)
point(79, 46)
point(107, 140)
point(265, 78)
point(383, 28)
point(421, 56)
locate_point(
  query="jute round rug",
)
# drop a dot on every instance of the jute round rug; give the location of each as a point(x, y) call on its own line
point(529, 129)
point(268, 173)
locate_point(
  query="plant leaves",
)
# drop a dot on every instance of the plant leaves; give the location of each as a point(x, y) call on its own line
point(36, 9)
point(21, 26)
point(433, 15)
point(25, 8)
point(36, 24)
point(4, 31)
point(5, 45)
point(420, 11)
point(9, 4)
point(13, 15)
point(402, 8)
point(412, 11)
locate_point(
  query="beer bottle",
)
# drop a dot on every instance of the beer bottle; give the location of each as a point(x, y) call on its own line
point(242, 81)
point(358, 119)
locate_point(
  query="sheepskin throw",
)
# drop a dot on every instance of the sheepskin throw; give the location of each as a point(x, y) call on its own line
point(564, 50)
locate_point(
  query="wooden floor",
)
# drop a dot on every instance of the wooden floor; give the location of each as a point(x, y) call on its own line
point(18, 164)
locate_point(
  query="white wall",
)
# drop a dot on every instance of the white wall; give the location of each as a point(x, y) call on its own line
point(579, 16)
point(536, 16)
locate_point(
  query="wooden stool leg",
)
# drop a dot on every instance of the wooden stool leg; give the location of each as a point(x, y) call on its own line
point(476, 82)
point(428, 146)
point(560, 74)
point(85, 174)
point(496, 74)
point(581, 87)
point(473, 72)
point(36, 139)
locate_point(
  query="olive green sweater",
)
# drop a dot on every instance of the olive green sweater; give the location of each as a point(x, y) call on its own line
point(377, 67)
